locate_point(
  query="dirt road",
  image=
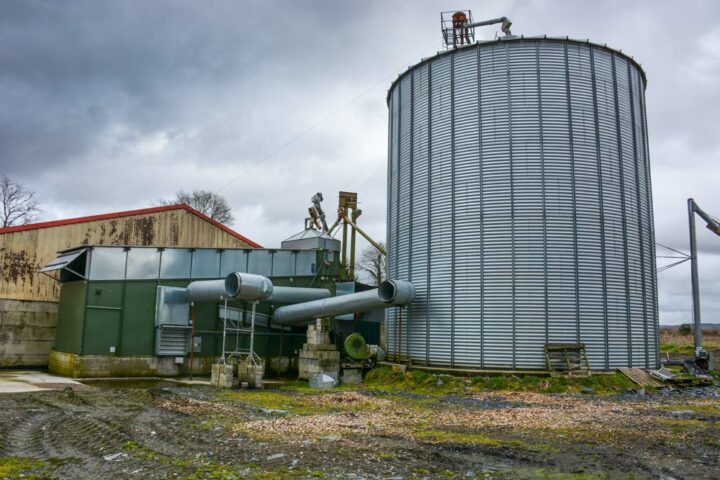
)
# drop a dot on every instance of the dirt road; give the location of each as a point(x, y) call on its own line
point(198, 432)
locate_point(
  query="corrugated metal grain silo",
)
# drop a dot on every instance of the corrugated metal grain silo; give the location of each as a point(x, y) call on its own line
point(519, 206)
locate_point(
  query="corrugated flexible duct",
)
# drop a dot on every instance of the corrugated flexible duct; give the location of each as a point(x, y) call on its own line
point(250, 287)
point(390, 293)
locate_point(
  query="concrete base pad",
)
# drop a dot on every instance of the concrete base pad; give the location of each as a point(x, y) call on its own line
point(16, 381)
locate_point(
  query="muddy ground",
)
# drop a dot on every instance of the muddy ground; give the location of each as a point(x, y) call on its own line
point(367, 431)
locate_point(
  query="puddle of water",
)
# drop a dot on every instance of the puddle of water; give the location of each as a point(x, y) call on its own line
point(132, 383)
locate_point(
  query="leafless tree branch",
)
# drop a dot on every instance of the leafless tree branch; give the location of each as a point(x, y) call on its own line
point(373, 262)
point(209, 203)
point(19, 205)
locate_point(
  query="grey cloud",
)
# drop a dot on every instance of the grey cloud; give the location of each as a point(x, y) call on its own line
point(111, 105)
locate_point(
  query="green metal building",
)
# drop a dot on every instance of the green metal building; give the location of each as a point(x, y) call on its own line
point(107, 320)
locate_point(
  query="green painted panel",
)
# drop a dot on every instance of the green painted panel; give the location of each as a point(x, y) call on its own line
point(126, 319)
point(369, 330)
point(71, 312)
point(101, 331)
point(105, 294)
point(206, 318)
point(138, 320)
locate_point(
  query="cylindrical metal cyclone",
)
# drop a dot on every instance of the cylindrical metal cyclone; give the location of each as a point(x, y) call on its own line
point(520, 208)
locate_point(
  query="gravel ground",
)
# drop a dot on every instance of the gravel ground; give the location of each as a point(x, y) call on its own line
point(199, 432)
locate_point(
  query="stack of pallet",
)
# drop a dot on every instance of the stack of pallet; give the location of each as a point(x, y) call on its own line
point(567, 358)
point(319, 355)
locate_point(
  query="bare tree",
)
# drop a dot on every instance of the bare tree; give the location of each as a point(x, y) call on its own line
point(19, 205)
point(209, 203)
point(373, 262)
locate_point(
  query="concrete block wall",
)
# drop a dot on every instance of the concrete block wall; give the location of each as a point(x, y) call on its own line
point(106, 366)
point(27, 332)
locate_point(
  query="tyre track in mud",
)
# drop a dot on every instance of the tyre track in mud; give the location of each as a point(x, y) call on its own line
point(75, 428)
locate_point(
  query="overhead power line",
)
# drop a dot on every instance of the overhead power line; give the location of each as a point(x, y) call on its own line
point(296, 138)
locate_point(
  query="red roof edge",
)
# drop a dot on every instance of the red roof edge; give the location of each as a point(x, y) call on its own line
point(129, 213)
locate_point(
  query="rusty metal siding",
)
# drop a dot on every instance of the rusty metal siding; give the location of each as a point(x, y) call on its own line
point(22, 253)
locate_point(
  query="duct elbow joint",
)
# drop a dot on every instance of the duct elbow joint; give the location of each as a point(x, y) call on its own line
point(396, 292)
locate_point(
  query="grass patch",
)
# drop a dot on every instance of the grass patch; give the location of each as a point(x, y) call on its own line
point(21, 467)
point(672, 341)
point(312, 402)
point(273, 400)
point(419, 381)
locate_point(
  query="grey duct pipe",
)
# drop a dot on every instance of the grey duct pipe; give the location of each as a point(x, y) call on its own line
point(390, 293)
point(250, 287)
point(297, 294)
point(207, 291)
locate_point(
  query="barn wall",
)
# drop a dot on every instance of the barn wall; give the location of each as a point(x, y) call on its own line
point(28, 299)
point(22, 253)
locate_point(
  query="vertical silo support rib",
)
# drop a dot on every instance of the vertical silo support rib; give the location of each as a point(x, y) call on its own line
point(623, 207)
point(396, 266)
point(641, 235)
point(452, 210)
point(651, 254)
point(542, 189)
point(391, 251)
point(383, 331)
point(428, 270)
point(574, 203)
point(602, 212)
point(408, 316)
point(480, 164)
point(512, 205)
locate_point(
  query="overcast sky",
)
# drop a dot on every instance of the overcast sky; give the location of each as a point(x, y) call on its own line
point(111, 105)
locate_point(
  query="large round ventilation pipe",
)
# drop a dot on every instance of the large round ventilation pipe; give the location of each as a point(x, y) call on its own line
point(390, 293)
point(250, 287)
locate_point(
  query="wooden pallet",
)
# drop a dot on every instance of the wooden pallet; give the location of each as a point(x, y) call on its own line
point(567, 358)
point(641, 377)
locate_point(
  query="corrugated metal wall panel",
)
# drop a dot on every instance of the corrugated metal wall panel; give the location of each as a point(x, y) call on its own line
point(466, 274)
point(524, 173)
point(441, 261)
point(393, 142)
point(588, 229)
point(419, 228)
point(403, 202)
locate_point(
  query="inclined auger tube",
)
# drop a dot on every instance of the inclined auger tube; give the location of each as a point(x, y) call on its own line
point(250, 287)
point(389, 293)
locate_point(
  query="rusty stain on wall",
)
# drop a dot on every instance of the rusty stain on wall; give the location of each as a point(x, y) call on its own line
point(28, 250)
point(18, 266)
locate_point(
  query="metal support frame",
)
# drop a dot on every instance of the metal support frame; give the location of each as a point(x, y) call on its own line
point(237, 328)
point(347, 209)
point(713, 225)
point(465, 32)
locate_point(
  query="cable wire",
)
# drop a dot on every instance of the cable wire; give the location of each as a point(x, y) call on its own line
point(302, 134)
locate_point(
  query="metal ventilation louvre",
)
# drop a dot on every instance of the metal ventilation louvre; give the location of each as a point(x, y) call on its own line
point(519, 206)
